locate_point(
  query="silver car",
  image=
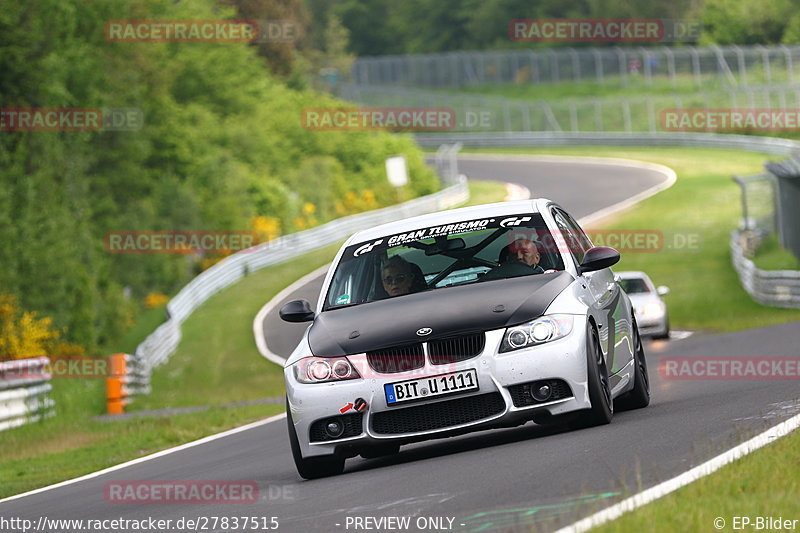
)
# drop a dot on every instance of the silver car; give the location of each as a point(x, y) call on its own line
point(459, 321)
point(649, 308)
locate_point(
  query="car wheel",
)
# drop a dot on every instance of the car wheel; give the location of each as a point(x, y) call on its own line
point(639, 396)
point(602, 410)
point(311, 467)
point(380, 450)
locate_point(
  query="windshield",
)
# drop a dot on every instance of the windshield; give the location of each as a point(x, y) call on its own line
point(634, 285)
point(438, 257)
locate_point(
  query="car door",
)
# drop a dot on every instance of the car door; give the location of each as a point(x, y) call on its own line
point(609, 303)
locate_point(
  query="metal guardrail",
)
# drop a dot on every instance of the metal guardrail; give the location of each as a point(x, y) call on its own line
point(776, 288)
point(160, 344)
point(24, 388)
point(751, 143)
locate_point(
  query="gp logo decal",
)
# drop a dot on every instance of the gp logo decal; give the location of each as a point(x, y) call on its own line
point(513, 221)
point(366, 248)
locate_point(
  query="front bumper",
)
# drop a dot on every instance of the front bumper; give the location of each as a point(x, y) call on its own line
point(652, 326)
point(499, 378)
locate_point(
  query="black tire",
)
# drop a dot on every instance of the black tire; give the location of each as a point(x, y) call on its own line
point(380, 450)
point(312, 467)
point(602, 410)
point(639, 396)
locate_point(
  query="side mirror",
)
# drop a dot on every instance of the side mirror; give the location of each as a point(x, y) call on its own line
point(662, 290)
point(598, 258)
point(297, 311)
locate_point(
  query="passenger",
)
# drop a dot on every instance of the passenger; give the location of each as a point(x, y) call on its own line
point(398, 276)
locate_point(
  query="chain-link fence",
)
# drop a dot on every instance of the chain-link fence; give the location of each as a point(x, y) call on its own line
point(644, 113)
point(758, 204)
point(668, 66)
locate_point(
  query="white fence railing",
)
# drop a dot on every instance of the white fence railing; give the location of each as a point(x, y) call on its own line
point(157, 347)
point(24, 388)
point(750, 143)
point(777, 288)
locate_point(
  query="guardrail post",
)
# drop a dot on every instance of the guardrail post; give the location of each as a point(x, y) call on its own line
point(115, 389)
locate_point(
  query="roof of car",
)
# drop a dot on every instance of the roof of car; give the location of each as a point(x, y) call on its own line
point(448, 217)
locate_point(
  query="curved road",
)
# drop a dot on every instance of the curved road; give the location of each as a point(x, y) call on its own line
point(506, 480)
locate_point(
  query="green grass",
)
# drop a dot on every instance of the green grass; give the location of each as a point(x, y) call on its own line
point(705, 290)
point(485, 192)
point(146, 322)
point(770, 256)
point(216, 362)
point(41, 454)
point(764, 483)
point(589, 87)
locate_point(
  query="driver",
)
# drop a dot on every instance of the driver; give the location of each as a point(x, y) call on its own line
point(524, 251)
point(520, 258)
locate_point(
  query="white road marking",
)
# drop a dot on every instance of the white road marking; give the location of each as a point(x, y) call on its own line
point(662, 489)
point(677, 335)
point(150, 457)
point(515, 191)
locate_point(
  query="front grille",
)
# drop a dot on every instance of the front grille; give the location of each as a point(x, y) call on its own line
point(353, 426)
point(521, 394)
point(397, 359)
point(455, 349)
point(438, 415)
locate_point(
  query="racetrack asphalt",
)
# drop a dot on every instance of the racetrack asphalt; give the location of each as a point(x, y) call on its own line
point(501, 480)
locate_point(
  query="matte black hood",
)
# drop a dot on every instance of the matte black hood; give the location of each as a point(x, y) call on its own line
point(448, 311)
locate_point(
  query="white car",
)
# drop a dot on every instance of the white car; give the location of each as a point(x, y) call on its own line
point(459, 321)
point(649, 308)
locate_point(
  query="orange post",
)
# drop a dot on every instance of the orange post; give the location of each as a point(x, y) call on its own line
point(115, 391)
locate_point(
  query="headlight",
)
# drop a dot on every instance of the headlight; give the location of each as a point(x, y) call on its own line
point(543, 329)
point(324, 369)
point(653, 309)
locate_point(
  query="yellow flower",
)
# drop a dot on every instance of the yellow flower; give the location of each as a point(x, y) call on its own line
point(155, 299)
point(22, 334)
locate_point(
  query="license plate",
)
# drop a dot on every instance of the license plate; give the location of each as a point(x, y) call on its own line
point(417, 389)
